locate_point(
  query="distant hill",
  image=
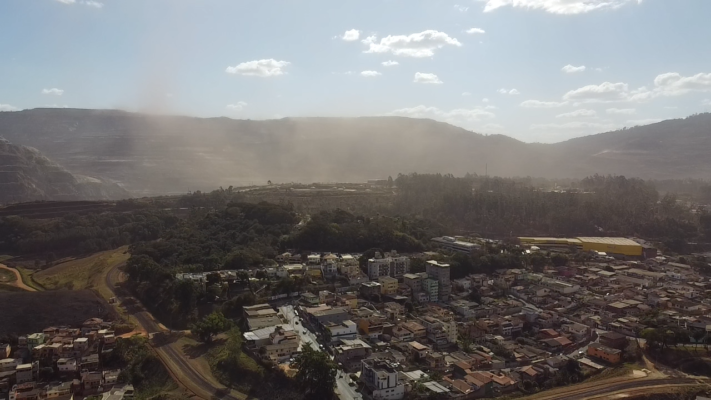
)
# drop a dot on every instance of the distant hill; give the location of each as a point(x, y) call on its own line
point(26, 175)
point(161, 154)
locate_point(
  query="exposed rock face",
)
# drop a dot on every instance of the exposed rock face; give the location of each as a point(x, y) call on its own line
point(26, 175)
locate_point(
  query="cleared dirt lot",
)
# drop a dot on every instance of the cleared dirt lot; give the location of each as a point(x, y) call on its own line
point(26, 312)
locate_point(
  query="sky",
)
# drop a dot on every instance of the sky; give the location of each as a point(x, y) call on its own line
point(536, 70)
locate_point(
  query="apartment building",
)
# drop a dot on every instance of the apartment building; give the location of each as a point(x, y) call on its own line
point(381, 380)
point(440, 272)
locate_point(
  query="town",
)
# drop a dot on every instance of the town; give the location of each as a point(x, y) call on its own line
point(394, 331)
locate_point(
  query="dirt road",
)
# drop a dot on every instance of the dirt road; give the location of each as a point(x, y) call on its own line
point(202, 384)
point(18, 282)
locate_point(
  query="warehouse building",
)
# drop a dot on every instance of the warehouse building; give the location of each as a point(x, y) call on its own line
point(614, 246)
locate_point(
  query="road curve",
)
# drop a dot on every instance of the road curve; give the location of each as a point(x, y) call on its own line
point(603, 388)
point(18, 282)
point(173, 359)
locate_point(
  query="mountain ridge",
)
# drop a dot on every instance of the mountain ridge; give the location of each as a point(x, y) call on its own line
point(155, 154)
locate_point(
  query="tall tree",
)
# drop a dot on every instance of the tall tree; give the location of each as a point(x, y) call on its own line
point(316, 374)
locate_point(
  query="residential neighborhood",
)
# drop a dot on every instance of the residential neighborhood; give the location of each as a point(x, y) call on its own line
point(482, 335)
point(63, 362)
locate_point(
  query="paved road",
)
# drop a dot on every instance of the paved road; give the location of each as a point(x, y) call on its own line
point(607, 387)
point(18, 281)
point(173, 359)
point(344, 390)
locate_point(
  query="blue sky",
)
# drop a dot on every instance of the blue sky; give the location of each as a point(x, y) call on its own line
point(536, 70)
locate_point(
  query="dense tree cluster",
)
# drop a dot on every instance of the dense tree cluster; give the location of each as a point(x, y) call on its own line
point(339, 230)
point(598, 205)
point(80, 234)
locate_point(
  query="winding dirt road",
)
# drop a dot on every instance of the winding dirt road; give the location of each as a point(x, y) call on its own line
point(18, 282)
point(172, 356)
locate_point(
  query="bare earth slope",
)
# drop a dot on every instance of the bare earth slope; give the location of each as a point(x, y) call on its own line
point(161, 154)
point(26, 175)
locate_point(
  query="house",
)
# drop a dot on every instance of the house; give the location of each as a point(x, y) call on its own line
point(89, 363)
point(418, 331)
point(26, 372)
point(335, 315)
point(613, 340)
point(119, 392)
point(67, 365)
point(351, 353)
point(5, 350)
point(381, 380)
point(111, 376)
point(435, 361)
point(81, 344)
point(58, 389)
point(599, 351)
point(91, 381)
point(418, 350)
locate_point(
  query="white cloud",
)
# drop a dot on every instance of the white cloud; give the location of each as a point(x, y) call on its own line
point(462, 9)
point(53, 91)
point(421, 77)
point(390, 63)
point(239, 106)
point(507, 91)
point(351, 35)
point(466, 94)
point(637, 122)
point(604, 92)
point(459, 114)
point(582, 113)
point(421, 44)
point(668, 84)
point(621, 111)
point(92, 3)
point(485, 100)
point(369, 40)
point(472, 31)
point(542, 104)
point(570, 69)
point(89, 3)
point(706, 102)
point(674, 84)
point(370, 74)
point(598, 69)
point(8, 107)
point(559, 6)
point(262, 68)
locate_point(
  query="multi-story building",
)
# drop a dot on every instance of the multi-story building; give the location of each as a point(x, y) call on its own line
point(431, 287)
point(381, 380)
point(282, 344)
point(608, 354)
point(346, 330)
point(440, 272)
point(370, 289)
point(35, 340)
point(414, 281)
point(388, 285)
point(391, 265)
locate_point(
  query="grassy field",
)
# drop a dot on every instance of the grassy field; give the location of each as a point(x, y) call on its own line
point(4, 257)
point(83, 273)
point(7, 276)
point(26, 275)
